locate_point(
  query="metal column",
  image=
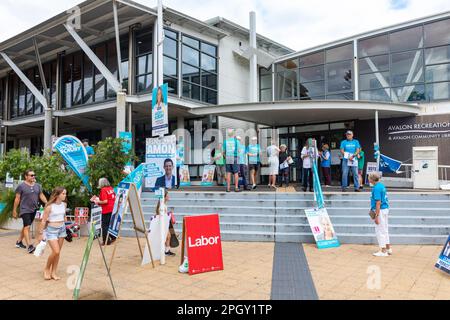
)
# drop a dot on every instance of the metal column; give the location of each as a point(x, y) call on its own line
point(253, 94)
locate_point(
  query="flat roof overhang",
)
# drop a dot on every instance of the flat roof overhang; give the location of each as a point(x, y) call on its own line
point(289, 113)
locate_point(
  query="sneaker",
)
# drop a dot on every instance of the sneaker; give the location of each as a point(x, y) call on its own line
point(31, 248)
point(254, 187)
point(381, 254)
point(184, 268)
point(20, 245)
point(237, 190)
point(169, 253)
point(389, 251)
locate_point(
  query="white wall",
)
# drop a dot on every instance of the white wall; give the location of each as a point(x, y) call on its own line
point(441, 107)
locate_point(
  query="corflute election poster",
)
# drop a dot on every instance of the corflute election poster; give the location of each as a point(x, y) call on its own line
point(322, 229)
point(160, 112)
point(160, 163)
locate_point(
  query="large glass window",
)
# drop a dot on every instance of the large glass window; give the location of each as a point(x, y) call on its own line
point(410, 64)
point(99, 80)
point(67, 81)
point(111, 64)
point(170, 52)
point(339, 76)
point(88, 80)
point(199, 70)
point(77, 93)
point(144, 61)
point(265, 84)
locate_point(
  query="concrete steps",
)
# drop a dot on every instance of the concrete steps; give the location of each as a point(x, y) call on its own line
point(415, 218)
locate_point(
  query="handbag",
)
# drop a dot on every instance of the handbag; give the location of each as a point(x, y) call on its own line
point(174, 243)
point(372, 214)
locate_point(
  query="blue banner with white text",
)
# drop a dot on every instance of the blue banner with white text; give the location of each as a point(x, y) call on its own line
point(74, 153)
point(388, 164)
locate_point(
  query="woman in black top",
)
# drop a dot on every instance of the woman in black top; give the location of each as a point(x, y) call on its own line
point(283, 158)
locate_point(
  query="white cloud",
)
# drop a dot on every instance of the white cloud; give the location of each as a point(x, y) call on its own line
point(298, 24)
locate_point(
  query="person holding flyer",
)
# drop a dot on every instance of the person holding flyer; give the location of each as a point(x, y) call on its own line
point(284, 159)
point(53, 223)
point(350, 149)
point(325, 157)
point(106, 201)
point(309, 154)
point(379, 207)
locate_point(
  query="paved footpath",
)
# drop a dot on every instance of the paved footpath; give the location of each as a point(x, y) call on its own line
point(336, 273)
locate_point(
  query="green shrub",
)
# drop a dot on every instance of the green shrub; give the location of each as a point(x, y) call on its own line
point(15, 162)
point(7, 197)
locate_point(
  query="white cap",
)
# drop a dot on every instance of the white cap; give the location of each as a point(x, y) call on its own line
point(254, 138)
point(238, 137)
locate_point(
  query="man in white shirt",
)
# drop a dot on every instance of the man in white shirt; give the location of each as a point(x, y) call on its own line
point(309, 153)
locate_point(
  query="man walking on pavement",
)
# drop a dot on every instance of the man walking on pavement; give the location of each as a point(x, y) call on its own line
point(28, 194)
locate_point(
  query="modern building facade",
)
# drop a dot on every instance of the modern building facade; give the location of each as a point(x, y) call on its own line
point(100, 73)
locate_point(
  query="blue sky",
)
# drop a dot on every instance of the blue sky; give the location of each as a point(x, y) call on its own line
point(298, 24)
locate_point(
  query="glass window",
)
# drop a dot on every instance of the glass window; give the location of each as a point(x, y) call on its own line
point(408, 93)
point(312, 73)
point(341, 96)
point(88, 80)
point(209, 80)
point(209, 63)
point(99, 80)
point(437, 33)
point(172, 84)
point(373, 46)
point(191, 56)
point(375, 95)
point(438, 91)
point(38, 85)
point(440, 72)
point(52, 83)
point(373, 80)
point(340, 53)
point(209, 96)
point(312, 59)
point(170, 34)
point(339, 76)
point(143, 66)
point(312, 89)
point(170, 47)
point(124, 52)
point(67, 81)
point(437, 55)
point(191, 91)
point(406, 68)
point(77, 97)
point(170, 67)
point(265, 95)
point(144, 42)
point(287, 85)
point(374, 64)
point(111, 64)
point(191, 42)
point(191, 74)
point(266, 82)
point(22, 96)
point(209, 49)
point(406, 39)
point(29, 97)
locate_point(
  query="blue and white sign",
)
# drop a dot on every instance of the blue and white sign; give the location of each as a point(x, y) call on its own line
point(322, 228)
point(136, 176)
point(388, 164)
point(119, 208)
point(443, 262)
point(127, 145)
point(160, 162)
point(74, 153)
point(160, 112)
point(180, 152)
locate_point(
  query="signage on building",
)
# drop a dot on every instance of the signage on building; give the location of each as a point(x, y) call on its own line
point(201, 240)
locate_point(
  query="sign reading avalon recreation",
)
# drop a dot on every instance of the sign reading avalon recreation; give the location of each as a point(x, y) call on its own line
point(322, 229)
point(160, 122)
point(201, 238)
point(74, 153)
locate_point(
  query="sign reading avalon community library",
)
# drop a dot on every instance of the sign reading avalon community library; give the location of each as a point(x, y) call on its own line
point(160, 112)
point(201, 238)
point(74, 153)
point(322, 229)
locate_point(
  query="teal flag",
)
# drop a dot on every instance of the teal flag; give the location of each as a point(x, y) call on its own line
point(318, 195)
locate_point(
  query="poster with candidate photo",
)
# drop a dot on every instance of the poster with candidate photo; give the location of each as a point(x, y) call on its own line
point(160, 112)
point(208, 175)
point(185, 178)
point(160, 163)
point(322, 228)
point(443, 262)
point(120, 206)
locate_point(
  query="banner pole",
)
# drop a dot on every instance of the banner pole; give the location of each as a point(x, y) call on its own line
point(106, 266)
point(377, 139)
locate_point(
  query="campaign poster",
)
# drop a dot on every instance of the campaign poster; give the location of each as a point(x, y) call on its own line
point(74, 154)
point(160, 162)
point(370, 167)
point(185, 178)
point(180, 152)
point(322, 228)
point(127, 145)
point(443, 262)
point(136, 176)
point(160, 112)
point(120, 206)
point(96, 218)
point(208, 175)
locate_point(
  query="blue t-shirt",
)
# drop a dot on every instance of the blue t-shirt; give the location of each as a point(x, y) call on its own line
point(350, 146)
point(90, 150)
point(242, 153)
point(326, 163)
point(254, 149)
point(230, 147)
point(379, 194)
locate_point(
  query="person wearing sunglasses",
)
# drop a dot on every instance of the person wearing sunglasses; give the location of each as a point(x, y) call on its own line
point(28, 194)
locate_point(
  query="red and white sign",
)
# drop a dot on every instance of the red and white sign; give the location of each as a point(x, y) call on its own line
point(204, 248)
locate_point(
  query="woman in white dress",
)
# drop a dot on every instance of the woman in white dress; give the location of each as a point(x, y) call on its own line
point(274, 163)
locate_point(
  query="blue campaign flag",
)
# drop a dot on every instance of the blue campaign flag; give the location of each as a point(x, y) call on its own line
point(318, 195)
point(136, 176)
point(74, 153)
point(388, 164)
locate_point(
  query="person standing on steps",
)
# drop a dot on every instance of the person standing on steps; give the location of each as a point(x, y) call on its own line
point(350, 149)
point(28, 194)
point(231, 159)
point(254, 161)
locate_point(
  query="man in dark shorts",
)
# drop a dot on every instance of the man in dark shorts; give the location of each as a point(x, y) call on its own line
point(28, 194)
point(231, 156)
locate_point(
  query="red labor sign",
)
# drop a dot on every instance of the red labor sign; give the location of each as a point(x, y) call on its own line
point(201, 237)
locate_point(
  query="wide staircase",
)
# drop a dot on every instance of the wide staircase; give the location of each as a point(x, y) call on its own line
point(415, 218)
